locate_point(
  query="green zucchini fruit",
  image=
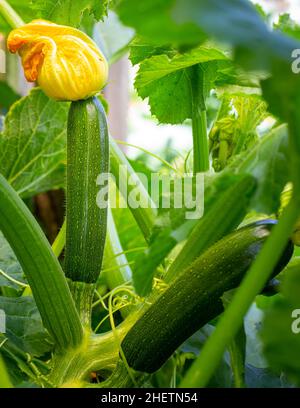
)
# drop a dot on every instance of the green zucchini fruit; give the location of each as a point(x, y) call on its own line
point(193, 299)
point(87, 158)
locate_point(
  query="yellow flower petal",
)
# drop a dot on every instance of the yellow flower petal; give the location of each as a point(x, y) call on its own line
point(64, 61)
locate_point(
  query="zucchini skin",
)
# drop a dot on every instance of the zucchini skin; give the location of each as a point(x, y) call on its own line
point(87, 157)
point(194, 298)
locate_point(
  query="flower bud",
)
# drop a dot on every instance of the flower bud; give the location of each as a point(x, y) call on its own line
point(64, 61)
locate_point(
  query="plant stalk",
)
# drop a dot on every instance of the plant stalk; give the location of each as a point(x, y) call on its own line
point(9, 14)
point(123, 172)
point(199, 122)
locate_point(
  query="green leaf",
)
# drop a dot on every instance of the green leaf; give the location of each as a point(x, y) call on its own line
point(267, 162)
point(24, 326)
point(282, 344)
point(8, 95)
point(236, 22)
point(70, 12)
point(153, 19)
point(32, 144)
point(141, 49)
point(9, 264)
point(166, 81)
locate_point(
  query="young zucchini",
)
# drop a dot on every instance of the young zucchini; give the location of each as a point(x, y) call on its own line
point(193, 299)
point(87, 157)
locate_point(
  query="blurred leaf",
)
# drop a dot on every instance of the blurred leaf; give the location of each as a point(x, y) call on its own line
point(9, 264)
point(153, 19)
point(8, 95)
point(252, 322)
point(264, 378)
point(267, 162)
point(32, 144)
point(166, 81)
point(238, 23)
point(69, 12)
point(222, 377)
point(24, 326)
point(281, 344)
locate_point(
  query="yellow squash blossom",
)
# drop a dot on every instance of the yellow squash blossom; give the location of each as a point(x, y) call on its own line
point(64, 61)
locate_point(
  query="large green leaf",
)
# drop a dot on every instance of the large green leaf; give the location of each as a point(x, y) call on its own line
point(166, 81)
point(24, 326)
point(153, 19)
point(9, 264)
point(32, 144)
point(70, 12)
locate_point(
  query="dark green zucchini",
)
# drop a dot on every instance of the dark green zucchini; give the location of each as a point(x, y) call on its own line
point(87, 158)
point(193, 299)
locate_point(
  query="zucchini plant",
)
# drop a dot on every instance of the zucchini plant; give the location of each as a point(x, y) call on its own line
point(130, 286)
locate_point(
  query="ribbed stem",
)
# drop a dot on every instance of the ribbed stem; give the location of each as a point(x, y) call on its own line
point(199, 121)
point(83, 294)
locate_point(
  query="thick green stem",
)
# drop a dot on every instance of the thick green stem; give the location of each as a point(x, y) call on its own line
point(96, 353)
point(199, 122)
point(123, 172)
point(83, 294)
point(41, 267)
point(231, 322)
point(9, 14)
